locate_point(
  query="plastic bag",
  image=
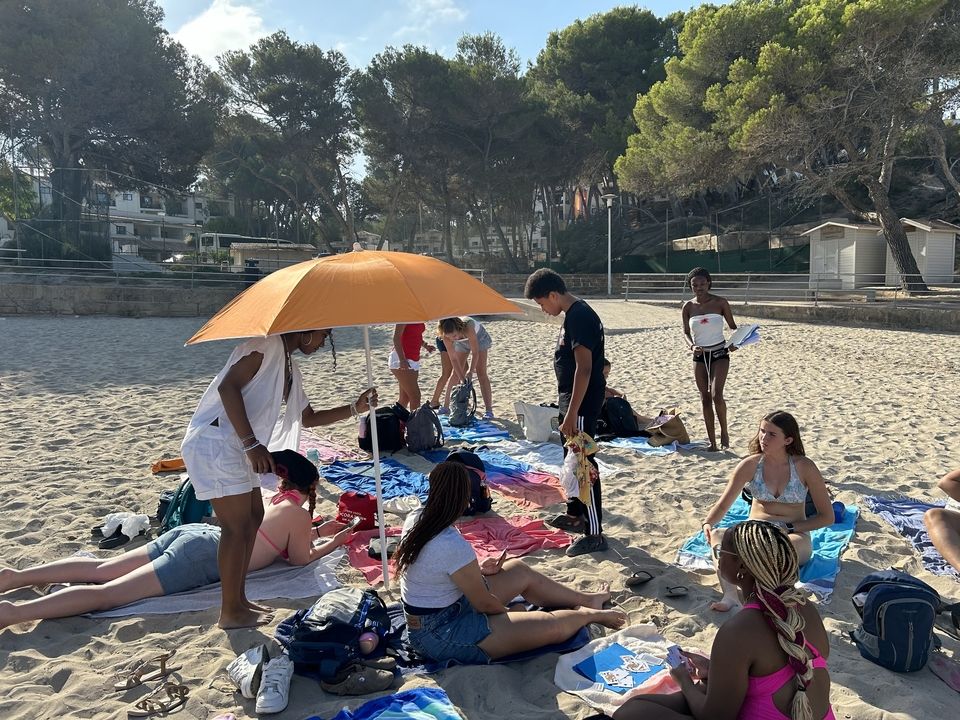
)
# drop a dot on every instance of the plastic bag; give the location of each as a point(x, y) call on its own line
point(568, 476)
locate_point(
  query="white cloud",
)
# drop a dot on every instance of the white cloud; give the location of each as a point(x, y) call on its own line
point(225, 25)
point(424, 14)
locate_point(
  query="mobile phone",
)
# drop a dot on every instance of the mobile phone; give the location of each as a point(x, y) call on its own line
point(674, 657)
point(356, 520)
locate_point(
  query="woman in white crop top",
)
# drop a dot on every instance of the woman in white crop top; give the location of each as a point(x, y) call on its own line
point(703, 319)
point(779, 476)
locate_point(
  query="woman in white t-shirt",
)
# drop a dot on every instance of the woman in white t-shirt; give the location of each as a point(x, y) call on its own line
point(457, 609)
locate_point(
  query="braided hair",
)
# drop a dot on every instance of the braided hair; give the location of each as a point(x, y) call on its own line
point(297, 473)
point(767, 554)
point(449, 496)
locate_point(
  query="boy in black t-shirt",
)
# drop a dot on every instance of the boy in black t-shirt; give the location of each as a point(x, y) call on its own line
point(578, 363)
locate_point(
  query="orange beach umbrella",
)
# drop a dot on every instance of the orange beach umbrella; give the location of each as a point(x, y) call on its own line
point(357, 288)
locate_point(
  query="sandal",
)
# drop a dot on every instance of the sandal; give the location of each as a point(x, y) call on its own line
point(640, 577)
point(675, 591)
point(568, 523)
point(153, 705)
point(153, 669)
point(360, 680)
point(951, 622)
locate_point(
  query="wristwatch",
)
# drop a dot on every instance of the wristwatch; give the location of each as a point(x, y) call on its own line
point(790, 528)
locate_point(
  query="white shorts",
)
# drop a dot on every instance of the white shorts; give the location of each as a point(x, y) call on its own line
point(217, 467)
point(395, 362)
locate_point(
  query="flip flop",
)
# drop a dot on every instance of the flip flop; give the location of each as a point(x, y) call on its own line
point(154, 668)
point(946, 669)
point(156, 704)
point(675, 591)
point(640, 577)
point(950, 622)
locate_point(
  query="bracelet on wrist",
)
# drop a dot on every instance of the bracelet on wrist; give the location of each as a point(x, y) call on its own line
point(353, 409)
point(248, 448)
point(248, 438)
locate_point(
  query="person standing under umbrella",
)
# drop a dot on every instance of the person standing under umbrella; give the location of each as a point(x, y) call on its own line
point(405, 362)
point(578, 363)
point(227, 445)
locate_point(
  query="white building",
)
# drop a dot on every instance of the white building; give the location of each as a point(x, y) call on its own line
point(934, 246)
point(845, 255)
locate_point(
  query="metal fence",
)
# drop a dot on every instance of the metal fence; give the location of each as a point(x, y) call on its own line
point(778, 287)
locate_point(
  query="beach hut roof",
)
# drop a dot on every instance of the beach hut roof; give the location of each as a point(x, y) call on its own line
point(931, 225)
point(851, 226)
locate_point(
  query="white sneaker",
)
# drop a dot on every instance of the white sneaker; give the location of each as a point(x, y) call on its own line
point(274, 691)
point(246, 669)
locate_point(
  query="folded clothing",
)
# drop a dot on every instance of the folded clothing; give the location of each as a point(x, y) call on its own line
point(905, 514)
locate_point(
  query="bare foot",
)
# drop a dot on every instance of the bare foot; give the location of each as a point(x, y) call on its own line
point(724, 440)
point(596, 600)
point(243, 619)
point(257, 608)
point(713, 448)
point(726, 605)
point(614, 619)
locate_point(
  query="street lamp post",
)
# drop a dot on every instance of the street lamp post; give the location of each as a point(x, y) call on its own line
point(609, 198)
point(163, 237)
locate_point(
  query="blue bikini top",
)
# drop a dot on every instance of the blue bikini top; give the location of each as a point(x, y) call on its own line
point(794, 492)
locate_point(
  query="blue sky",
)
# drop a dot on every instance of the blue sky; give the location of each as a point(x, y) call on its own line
point(362, 28)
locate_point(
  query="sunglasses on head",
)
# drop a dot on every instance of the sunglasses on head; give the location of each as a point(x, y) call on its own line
point(717, 551)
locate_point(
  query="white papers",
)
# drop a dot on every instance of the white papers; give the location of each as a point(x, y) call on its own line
point(744, 335)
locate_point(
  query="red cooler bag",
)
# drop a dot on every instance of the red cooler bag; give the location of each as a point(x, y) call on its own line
point(356, 504)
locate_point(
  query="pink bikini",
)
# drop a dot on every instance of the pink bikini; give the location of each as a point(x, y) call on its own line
point(297, 498)
point(758, 704)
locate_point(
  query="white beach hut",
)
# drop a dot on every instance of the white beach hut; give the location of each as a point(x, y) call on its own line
point(846, 255)
point(934, 245)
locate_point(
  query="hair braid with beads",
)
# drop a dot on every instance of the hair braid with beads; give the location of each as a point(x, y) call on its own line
point(768, 555)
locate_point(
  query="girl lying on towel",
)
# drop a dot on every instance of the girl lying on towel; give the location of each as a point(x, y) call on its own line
point(457, 609)
point(768, 662)
point(778, 475)
point(181, 559)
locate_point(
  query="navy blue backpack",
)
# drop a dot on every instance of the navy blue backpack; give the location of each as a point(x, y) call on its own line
point(898, 613)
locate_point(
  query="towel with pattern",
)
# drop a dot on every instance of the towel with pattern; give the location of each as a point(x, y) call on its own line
point(326, 450)
point(906, 516)
point(417, 704)
point(489, 536)
point(818, 576)
point(482, 431)
point(544, 457)
point(396, 479)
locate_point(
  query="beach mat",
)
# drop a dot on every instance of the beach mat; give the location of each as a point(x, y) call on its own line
point(638, 638)
point(478, 431)
point(642, 445)
point(544, 457)
point(276, 581)
point(489, 536)
point(326, 450)
point(905, 514)
point(818, 576)
point(396, 479)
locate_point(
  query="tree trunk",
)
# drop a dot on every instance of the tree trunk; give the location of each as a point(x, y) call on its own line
point(504, 243)
point(66, 185)
point(910, 279)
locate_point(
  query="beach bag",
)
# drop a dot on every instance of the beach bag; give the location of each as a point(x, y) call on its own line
point(538, 421)
point(389, 431)
point(463, 404)
point(424, 431)
point(617, 420)
point(353, 504)
point(324, 639)
point(666, 428)
point(480, 500)
point(898, 613)
point(184, 508)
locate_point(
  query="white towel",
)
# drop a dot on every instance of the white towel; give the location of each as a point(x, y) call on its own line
point(278, 580)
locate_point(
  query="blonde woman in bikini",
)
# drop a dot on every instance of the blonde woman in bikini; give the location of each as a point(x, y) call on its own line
point(703, 319)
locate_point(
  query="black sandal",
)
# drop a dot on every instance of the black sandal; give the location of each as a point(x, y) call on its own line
point(640, 577)
point(675, 591)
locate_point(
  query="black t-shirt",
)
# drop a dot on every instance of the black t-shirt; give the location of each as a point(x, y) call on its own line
point(581, 326)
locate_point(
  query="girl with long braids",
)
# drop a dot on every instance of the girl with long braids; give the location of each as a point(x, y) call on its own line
point(457, 609)
point(768, 662)
point(181, 559)
point(779, 477)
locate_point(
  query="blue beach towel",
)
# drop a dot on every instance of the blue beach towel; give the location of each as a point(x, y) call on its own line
point(416, 704)
point(494, 460)
point(641, 445)
point(906, 516)
point(818, 576)
point(482, 431)
point(396, 479)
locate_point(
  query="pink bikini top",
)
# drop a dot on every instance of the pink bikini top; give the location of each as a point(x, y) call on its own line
point(758, 703)
point(292, 495)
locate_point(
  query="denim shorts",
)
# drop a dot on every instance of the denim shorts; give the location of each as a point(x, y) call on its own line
point(484, 342)
point(185, 557)
point(452, 634)
point(440, 346)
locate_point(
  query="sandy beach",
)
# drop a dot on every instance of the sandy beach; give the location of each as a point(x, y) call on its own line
point(88, 403)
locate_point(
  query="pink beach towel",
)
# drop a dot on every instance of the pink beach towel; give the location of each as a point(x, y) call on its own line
point(530, 489)
point(489, 537)
point(327, 451)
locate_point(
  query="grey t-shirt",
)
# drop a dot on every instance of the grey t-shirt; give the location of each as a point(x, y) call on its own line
point(427, 583)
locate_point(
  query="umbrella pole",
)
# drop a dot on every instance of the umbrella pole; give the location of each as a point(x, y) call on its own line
point(376, 464)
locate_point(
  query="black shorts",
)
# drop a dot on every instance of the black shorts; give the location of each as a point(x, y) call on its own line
point(712, 356)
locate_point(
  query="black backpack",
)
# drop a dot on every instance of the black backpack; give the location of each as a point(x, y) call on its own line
point(617, 420)
point(184, 508)
point(480, 500)
point(389, 429)
point(324, 639)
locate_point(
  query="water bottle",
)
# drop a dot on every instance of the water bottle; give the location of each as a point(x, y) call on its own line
point(313, 455)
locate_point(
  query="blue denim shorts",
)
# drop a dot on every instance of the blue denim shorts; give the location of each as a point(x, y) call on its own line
point(185, 557)
point(440, 346)
point(452, 634)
